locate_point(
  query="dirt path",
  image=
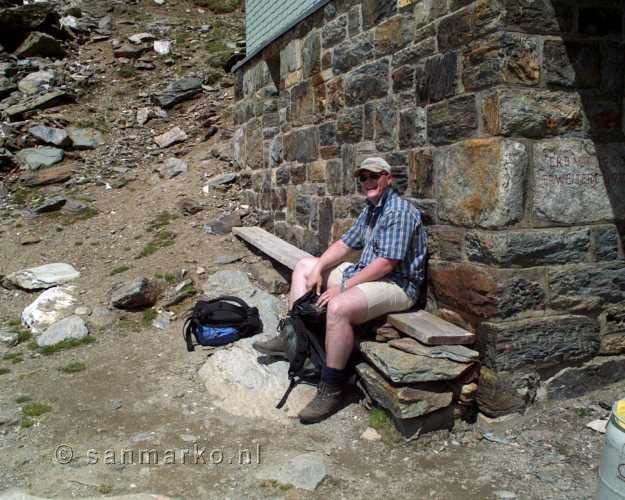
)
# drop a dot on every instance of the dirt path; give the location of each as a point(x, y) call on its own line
point(140, 390)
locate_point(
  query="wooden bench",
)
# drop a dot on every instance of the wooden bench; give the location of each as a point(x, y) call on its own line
point(420, 325)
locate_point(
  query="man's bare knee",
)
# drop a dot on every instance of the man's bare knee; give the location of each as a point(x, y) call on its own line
point(337, 310)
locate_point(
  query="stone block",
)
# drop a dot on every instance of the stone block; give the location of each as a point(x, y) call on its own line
point(538, 343)
point(459, 28)
point(404, 401)
point(570, 181)
point(420, 172)
point(352, 53)
point(327, 134)
point(393, 35)
point(302, 144)
point(439, 78)
point(311, 54)
point(572, 64)
point(412, 128)
point(374, 12)
point(354, 21)
point(452, 120)
point(445, 242)
point(335, 94)
point(500, 393)
point(334, 177)
point(291, 58)
point(586, 287)
point(334, 32)
point(573, 382)
point(366, 83)
point(415, 54)
point(301, 109)
point(404, 80)
point(254, 144)
point(385, 125)
point(480, 182)
point(613, 330)
point(529, 247)
point(509, 58)
point(532, 113)
point(306, 210)
point(538, 16)
point(326, 218)
point(316, 171)
point(482, 292)
point(349, 125)
point(607, 246)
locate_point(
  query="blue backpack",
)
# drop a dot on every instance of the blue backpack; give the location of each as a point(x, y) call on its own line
point(220, 321)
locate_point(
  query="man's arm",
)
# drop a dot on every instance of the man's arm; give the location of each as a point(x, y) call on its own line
point(335, 254)
point(376, 270)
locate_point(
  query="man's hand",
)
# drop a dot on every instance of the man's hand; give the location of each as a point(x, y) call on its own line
point(314, 280)
point(328, 295)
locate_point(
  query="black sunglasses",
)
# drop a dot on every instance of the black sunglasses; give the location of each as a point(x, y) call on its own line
point(374, 176)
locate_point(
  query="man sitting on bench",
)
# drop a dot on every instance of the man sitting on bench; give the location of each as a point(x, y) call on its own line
point(387, 278)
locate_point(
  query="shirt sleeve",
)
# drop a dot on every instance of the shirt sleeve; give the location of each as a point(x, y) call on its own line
point(355, 236)
point(396, 234)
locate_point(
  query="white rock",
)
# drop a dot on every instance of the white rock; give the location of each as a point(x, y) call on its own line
point(139, 38)
point(598, 425)
point(47, 276)
point(233, 376)
point(69, 21)
point(162, 47)
point(72, 327)
point(170, 137)
point(34, 82)
point(143, 115)
point(370, 434)
point(51, 306)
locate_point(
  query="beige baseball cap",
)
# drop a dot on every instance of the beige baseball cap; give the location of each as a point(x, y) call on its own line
point(374, 164)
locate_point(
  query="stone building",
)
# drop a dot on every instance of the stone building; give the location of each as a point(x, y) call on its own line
point(503, 121)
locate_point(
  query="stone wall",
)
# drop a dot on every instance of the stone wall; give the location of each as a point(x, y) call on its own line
point(503, 121)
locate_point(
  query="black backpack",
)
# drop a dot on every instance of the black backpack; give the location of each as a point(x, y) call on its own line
point(305, 330)
point(220, 321)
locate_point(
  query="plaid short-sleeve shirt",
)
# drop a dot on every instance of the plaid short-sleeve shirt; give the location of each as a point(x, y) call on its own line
point(392, 229)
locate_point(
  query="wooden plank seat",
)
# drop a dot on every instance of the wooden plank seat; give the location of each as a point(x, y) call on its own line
point(420, 325)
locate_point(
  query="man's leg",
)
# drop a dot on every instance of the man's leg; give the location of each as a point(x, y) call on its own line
point(347, 309)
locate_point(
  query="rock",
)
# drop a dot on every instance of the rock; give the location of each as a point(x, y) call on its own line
point(51, 306)
point(234, 378)
point(40, 45)
point(401, 367)
point(52, 175)
point(370, 434)
point(139, 38)
point(366, 83)
point(173, 167)
point(6, 87)
point(177, 293)
point(41, 156)
point(163, 320)
point(223, 225)
point(143, 115)
point(180, 90)
point(458, 353)
point(144, 65)
point(130, 51)
point(74, 207)
point(42, 277)
point(170, 137)
point(189, 207)
point(221, 180)
point(497, 394)
point(48, 135)
point(51, 204)
point(270, 279)
point(573, 382)
point(300, 145)
point(404, 401)
point(481, 182)
point(85, 138)
point(222, 260)
point(303, 471)
point(105, 24)
point(598, 425)
point(138, 293)
point(72, 327)
point(39, 102)
point(452, 120)
point(162, 47)
point(539, 342)
point(8, 338)
point(35, 82)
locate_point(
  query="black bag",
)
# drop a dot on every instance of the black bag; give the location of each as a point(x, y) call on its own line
point(220, 321)
point(305, 330)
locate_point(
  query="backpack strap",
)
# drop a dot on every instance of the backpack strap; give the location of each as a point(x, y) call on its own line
point(231, 298)
point(292, 384)
point(187, 332)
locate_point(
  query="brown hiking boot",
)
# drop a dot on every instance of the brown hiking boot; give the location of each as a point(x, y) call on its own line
point(327, 401)
point(275, 346)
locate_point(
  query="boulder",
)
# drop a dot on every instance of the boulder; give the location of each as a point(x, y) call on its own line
point(40, 45)
point(138, 293)
point(173, 167)
point(180, 90)
point(72, 327)
point(34, 83)
point(270, 279)
point(235, 376)
point(51, 204)
point(85, 138)
point(42, 156)
point(170, 137)
point(48, 135)
point(42, 277)
point(51, 306)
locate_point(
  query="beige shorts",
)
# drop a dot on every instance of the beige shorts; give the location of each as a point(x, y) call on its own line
point(383, 297)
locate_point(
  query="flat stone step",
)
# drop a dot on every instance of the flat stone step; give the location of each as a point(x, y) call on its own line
point(278, 249)
point(430, 329)
point(458, 353)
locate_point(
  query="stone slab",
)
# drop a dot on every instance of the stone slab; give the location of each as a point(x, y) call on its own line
point(457, 353)
point(72, 327)
point(42, 277)
point(429, 329)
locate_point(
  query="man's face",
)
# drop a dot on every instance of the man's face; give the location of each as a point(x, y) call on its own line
point(373, 184)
